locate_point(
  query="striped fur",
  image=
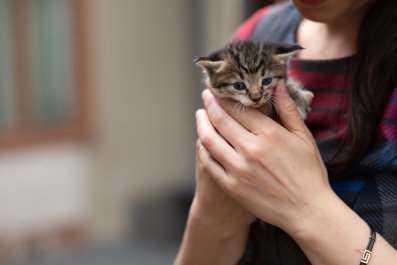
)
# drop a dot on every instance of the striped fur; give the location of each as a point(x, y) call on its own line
point(251, 62)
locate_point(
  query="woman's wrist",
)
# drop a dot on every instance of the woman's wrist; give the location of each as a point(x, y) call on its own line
point(324, 212)
point(207, 240)
point(331, 233)
point(218, 226)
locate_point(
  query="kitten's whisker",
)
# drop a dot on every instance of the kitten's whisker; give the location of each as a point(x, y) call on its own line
point(271, 105)
point(242, 108)
point(236, 108)
point(272, 100)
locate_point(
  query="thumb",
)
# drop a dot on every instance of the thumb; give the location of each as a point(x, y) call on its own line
point(286, 109)
point(308, 96)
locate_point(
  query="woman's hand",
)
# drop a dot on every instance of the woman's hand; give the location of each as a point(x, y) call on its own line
point(212, 206)
point(275, 171)
point(217, 228)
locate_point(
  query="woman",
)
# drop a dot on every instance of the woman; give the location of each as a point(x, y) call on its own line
point(327, 186)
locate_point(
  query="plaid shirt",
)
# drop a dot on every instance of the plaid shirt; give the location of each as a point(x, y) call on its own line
point(370, 187)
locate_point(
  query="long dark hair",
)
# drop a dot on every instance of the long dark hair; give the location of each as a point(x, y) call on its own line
point(373, 78)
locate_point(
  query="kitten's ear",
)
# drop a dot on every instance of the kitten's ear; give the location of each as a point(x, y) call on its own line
point(211, 63)
point(209, 66)
point(285, 51)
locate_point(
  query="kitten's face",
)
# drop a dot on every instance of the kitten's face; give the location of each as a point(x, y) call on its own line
point(246, 71)
point(251, 88)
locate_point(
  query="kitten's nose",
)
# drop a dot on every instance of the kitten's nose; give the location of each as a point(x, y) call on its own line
point(256, 99)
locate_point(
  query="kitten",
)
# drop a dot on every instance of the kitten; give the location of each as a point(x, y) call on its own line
point(248, 72)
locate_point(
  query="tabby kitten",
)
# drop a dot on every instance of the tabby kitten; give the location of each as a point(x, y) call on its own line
point(248, 72)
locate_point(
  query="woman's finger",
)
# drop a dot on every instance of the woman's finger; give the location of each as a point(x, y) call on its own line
point(214, 169)
point(228, 127)
point(287, 111)
point(251, 119)
point(217, 146)
point(308, 95)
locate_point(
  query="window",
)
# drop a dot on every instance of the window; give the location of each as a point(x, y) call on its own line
point(44, 84)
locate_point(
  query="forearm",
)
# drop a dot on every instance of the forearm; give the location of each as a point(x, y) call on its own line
point(211, 244)
point(337, 235)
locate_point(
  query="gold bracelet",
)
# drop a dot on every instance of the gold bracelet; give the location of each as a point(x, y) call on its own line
point(368, 251)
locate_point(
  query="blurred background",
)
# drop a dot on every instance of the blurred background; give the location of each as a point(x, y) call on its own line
point(97, 130)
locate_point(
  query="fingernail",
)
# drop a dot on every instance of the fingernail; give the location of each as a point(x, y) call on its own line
point(207, 97)
point(206, 94)
point(199, 112)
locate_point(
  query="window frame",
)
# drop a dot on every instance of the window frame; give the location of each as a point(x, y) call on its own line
point(25, 132)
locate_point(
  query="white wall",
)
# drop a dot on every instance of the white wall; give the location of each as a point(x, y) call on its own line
point(221, 19)
point(41, 187)
point(145, 138)
point(146, 134)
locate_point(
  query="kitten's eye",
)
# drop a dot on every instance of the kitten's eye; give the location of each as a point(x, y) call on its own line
point(267, 81)
point(239, 86)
